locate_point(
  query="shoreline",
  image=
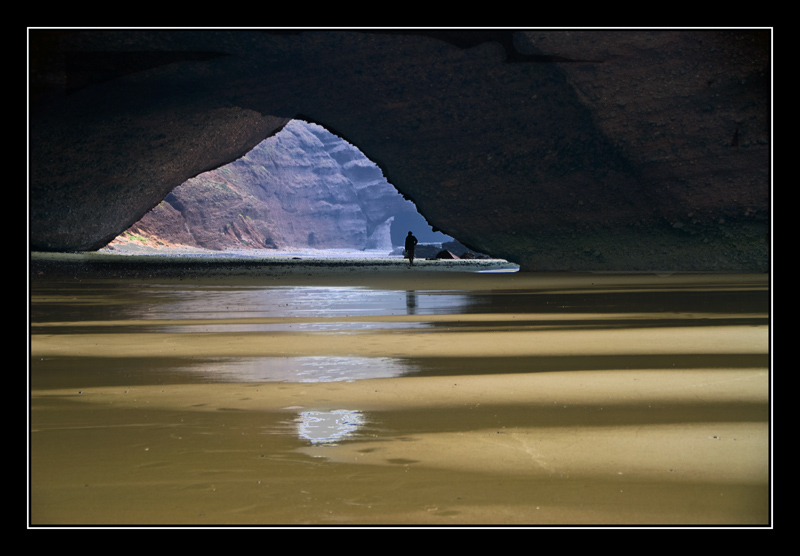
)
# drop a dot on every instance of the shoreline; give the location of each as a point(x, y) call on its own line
point(383, 274)
point(335, 267)
point(189, 390)
point(199, 263)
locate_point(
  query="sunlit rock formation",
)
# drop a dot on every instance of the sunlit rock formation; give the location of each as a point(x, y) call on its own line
point(301, 188)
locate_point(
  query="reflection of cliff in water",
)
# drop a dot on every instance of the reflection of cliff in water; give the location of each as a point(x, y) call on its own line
point(237, 302)
point(297, 369)
point(294, 309)
point(326, 427)
point(353, 311)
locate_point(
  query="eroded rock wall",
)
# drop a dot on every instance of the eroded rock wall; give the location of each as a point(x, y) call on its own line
point(616, 150)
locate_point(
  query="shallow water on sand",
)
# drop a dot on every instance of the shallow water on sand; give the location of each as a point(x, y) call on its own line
point(519, 399)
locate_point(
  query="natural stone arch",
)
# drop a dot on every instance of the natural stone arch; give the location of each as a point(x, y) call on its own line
point(559, 150)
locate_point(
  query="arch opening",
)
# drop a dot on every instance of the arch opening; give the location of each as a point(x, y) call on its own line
point(303, 188)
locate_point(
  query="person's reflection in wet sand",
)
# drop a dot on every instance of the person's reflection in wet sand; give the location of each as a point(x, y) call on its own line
point(411, 302)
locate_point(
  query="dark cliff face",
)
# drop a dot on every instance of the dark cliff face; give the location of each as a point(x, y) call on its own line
point(617, 150)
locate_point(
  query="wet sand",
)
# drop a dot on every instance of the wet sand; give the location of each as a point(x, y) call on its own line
point(353, 395)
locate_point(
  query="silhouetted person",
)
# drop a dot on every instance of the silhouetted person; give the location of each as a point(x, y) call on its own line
point(411, 243)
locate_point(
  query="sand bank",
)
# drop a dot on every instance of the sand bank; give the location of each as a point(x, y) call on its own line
point(531, 399)
point(721, 452)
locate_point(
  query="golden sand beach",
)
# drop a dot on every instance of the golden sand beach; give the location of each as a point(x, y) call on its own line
point(350, 394)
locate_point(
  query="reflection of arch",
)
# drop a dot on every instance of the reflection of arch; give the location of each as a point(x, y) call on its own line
point(328, 426)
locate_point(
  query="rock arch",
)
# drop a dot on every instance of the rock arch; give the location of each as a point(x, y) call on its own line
point(555, 149)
